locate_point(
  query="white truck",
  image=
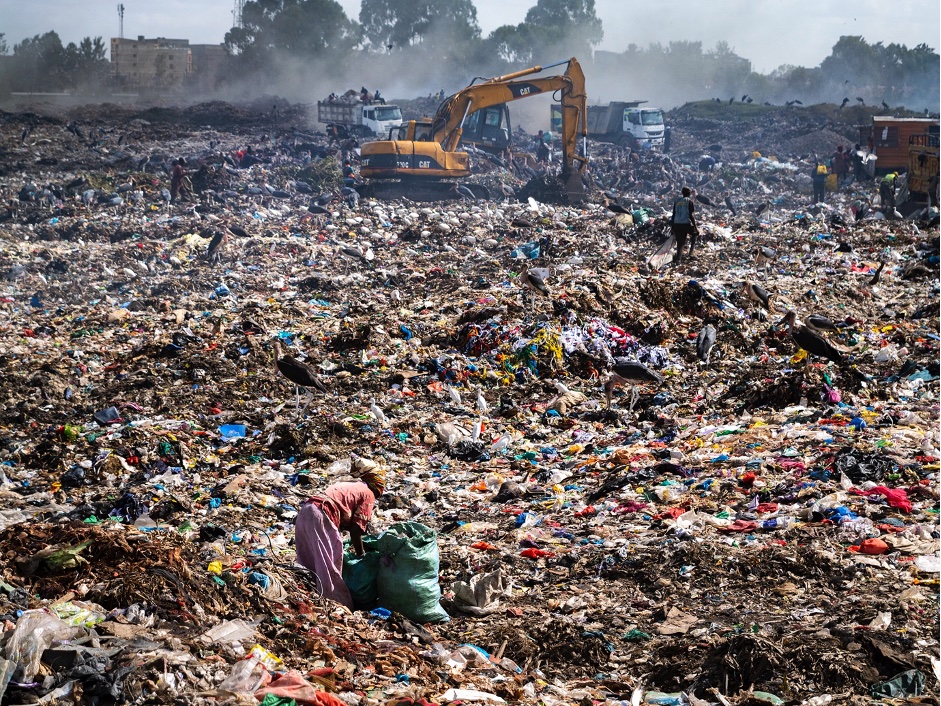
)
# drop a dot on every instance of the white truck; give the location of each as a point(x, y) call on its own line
point(623, 123)
point(360, 119)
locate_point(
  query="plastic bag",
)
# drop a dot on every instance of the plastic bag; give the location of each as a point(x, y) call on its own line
point(229, 631)
point(408, 572)
point(247, 676)
point(910, 683)
point(360, 575)
point(35, 632)
point(7, 667)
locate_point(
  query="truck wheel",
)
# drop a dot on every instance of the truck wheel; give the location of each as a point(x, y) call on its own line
point(628, 141)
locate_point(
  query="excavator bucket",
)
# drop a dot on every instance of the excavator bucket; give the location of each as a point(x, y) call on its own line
point(573, 188)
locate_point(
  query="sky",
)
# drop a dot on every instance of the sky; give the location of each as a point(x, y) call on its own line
point(769, 33)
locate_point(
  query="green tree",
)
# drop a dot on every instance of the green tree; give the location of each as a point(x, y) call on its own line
point(40, 64)
point(87, 63)
point(404, 23)
point(511, 43)
point(852, 60)
point(306, 29)
point(567, 26)
point(4, 47)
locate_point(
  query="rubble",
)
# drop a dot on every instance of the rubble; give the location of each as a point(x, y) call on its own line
point(760, 527)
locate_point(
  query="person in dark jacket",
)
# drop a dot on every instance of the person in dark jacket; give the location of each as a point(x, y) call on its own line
point(819, 176)
point(683, 224)
point(176, 178)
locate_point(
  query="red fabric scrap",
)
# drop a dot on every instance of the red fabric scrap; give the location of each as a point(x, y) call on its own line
point(740, 526)
point(533, 553)
point(897, 497)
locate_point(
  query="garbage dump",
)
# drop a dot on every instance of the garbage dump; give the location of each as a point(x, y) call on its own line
point(608, 479)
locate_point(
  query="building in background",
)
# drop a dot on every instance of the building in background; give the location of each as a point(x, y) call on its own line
point(207, 64)
point(150, 64)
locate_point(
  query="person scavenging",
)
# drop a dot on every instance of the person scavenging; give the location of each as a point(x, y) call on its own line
point(818, 175)
point(342, 507)
point(683, 224)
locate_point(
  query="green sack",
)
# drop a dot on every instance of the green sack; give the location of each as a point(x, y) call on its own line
point(359, 574)
point(408, 572)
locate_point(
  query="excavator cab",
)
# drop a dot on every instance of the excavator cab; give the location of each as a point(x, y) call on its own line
point(488, 129)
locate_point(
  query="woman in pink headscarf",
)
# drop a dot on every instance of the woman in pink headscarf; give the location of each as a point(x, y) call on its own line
point(343, 507)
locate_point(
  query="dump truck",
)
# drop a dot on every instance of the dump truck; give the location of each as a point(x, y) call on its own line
point(359, 118)
point(624, 123)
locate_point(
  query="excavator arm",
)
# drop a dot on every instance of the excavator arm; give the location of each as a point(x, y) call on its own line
point(414, 167)
point(447, 125)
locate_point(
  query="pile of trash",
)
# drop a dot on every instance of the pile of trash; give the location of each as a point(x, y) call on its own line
point(751, 525)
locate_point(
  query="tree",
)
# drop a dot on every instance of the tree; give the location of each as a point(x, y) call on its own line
point(87, 61)
point(404, 23)
point(305, 29)
point(39, 64)
point(511, 43)
point(567, 26)
point(4, 47)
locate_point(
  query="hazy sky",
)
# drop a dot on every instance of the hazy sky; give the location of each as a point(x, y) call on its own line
point(767, 32)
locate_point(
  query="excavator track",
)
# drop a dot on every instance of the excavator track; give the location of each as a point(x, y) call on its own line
point(423, 190)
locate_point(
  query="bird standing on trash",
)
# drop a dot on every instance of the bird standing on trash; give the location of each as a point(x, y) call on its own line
point(463, 192)
point(764, 255)
point(482, 405)
point(705, 342)
point(627, 371)
point(377, 412)
point(757, 294)
point(213, 252)
point(237, 230)
point(815, 344)
point(454, 395)
point(300, 374)
point(820, 323)
point(533, 282)
point(352, 254)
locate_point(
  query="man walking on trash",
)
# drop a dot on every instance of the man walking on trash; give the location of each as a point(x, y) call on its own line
point(683, 225)
point(176, 178)
point(343, 507)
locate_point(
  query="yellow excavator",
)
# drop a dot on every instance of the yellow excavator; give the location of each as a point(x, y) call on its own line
point(424, 161)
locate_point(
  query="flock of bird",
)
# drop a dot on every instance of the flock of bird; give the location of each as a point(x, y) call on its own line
point(748, 99)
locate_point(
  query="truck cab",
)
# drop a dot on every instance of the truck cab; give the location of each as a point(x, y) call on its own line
point(645, 125)
point(379, 119)
point(623, 123)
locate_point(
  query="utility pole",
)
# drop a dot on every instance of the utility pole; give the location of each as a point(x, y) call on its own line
point(121, 20)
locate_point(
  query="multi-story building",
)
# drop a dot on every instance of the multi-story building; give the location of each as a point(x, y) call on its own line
point(152, 64)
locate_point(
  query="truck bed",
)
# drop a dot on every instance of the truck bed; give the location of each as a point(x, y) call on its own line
point(343, 113)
